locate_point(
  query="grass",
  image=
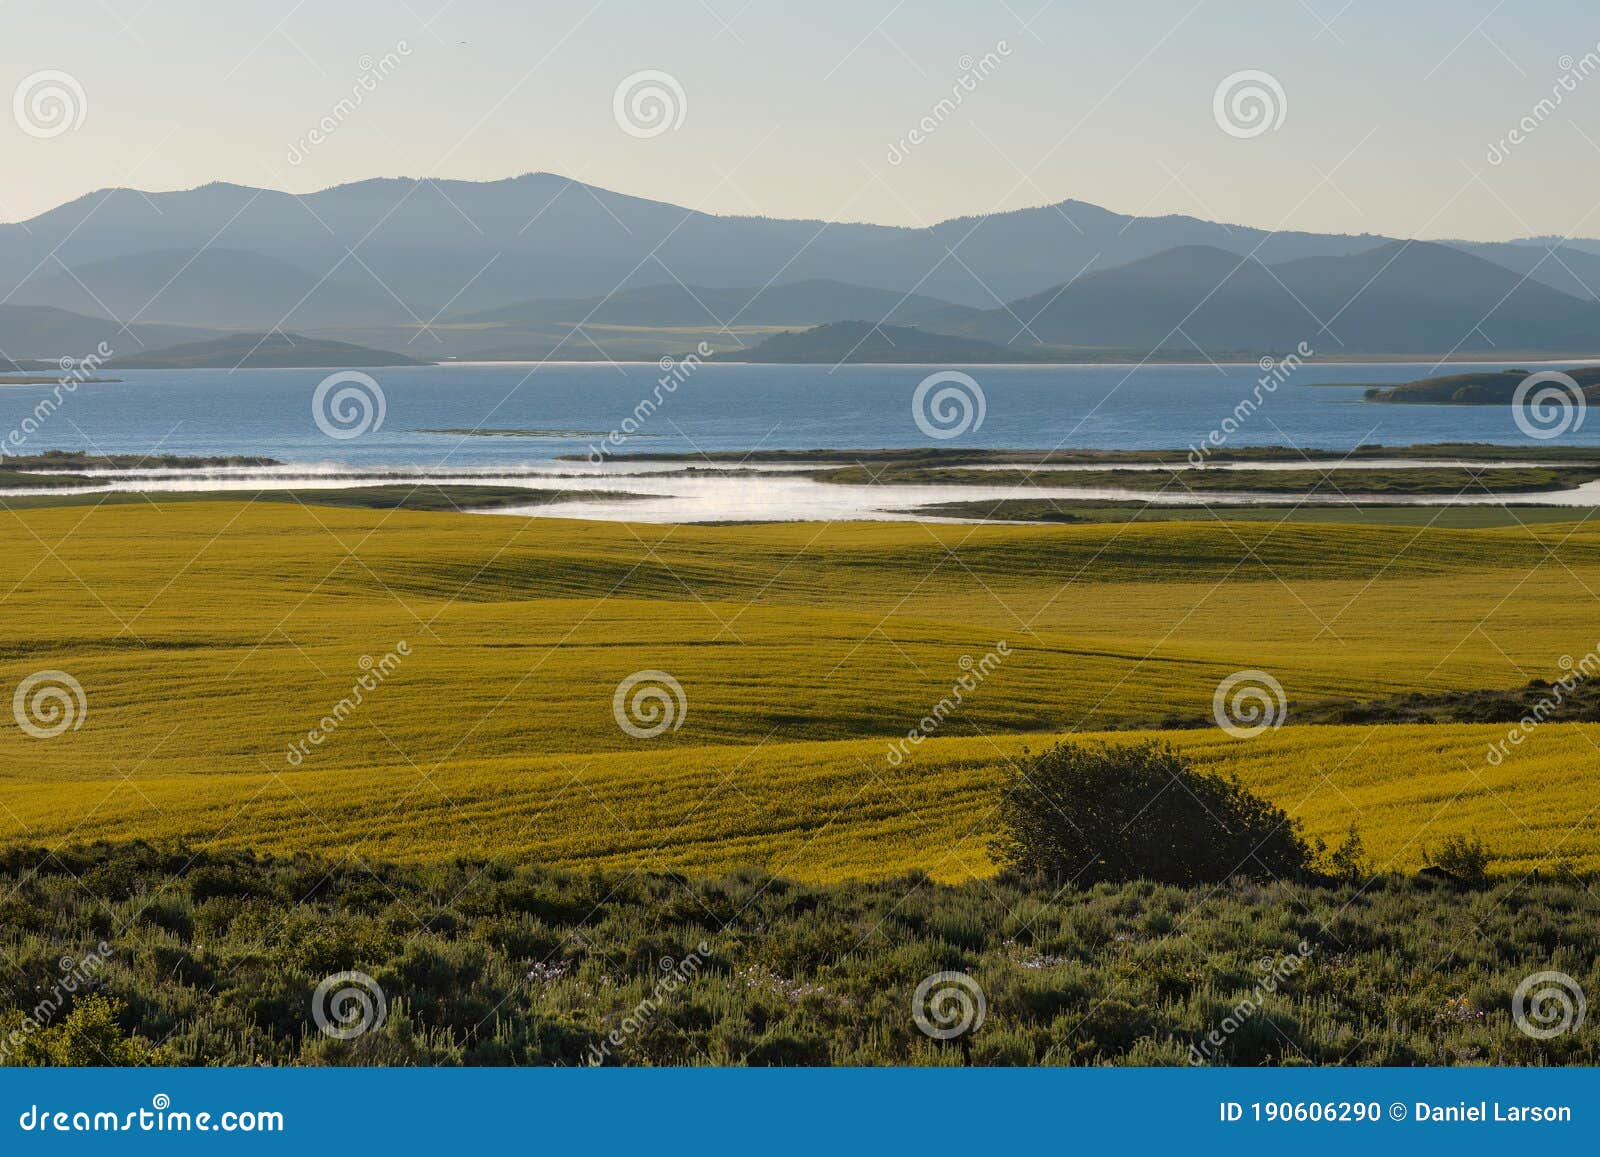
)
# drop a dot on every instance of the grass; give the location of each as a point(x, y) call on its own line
point(47, 379)
point(216, 959)
point(77, 460)
point(1445, 480)
point(431, 496)
point(1069, 510)
point(524, 432)
point(934, 456)
point(209, 636)
point(43, 471)
point(401, 496)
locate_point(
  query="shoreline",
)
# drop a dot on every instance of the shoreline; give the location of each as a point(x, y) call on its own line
point(1473, 358)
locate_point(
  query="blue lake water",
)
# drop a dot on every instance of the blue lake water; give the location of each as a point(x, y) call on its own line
point(735, 407)
point(580, 409)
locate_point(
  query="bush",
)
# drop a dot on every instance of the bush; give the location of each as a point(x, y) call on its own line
point(1348, 863)
point(1087, 814)
point(89, 1036)
point(1131, 973)
point(1466, 860)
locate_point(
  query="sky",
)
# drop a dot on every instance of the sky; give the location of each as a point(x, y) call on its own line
point(1390, 117)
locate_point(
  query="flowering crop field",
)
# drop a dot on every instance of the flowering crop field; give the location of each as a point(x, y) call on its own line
point(207, 649)
point(824, 811)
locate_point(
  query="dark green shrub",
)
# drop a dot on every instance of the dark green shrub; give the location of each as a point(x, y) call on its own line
point(1084, 814)
point(1348, 863)
point(88, 1036)
point(1118, 973)
point(1467, 860)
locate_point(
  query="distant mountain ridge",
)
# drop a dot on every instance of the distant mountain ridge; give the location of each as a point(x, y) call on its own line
point(431, 242)
point(1396, 298)
point(461, 268)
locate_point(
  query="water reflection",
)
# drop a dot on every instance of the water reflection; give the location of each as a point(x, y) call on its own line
point(677, 493)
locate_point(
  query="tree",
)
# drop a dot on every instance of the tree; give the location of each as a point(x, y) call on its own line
point(1088, 813)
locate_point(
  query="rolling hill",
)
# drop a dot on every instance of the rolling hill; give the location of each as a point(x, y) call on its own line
point(1395, 298)
point(1476, 389)
point(41, 331)
point(213, 287)
point(264, 351)
point(1560, 264)
point(796, 715)
point(862, 341)
point(813, 302)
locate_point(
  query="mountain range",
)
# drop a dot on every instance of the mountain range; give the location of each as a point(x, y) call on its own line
point(1397, 297)
point(540, 265)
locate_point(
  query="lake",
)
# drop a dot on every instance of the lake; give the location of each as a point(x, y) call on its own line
point(734, 407)
point(724, 407)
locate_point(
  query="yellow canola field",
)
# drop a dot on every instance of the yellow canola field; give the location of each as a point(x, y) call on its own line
point(827, 811)
point(209, 639)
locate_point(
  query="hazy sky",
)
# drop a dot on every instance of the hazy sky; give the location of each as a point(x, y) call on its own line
point(793, 109)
